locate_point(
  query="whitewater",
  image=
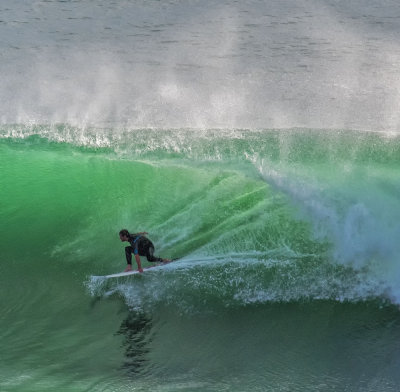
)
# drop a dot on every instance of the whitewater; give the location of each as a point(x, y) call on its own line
point(258, 143)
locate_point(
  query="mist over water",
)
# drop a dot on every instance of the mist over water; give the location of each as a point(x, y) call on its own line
point(208, 64)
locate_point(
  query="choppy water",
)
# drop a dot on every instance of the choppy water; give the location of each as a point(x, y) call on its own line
point(190, 64)
point(256, 141)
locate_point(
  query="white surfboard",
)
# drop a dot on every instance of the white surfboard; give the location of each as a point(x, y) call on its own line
point(120, 274)
point(123, 274)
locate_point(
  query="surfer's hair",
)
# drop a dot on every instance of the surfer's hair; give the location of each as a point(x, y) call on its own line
point(124, 233)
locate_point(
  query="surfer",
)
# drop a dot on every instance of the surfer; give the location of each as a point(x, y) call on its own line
point(140, 246)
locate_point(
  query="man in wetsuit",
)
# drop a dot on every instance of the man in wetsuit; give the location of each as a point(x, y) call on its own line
point(140, 246)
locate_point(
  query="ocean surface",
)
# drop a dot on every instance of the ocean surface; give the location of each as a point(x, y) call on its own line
point(256, 141)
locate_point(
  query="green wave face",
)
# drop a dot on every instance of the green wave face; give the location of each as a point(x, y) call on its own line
point(60, 199)
point(291, 225)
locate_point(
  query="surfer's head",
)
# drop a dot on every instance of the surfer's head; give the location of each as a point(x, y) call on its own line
point(124, 235)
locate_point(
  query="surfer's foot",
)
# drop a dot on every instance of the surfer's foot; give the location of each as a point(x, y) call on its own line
point(128, 268)
point(166, 261)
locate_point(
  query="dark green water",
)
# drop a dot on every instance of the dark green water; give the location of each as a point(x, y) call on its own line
point(289, 272)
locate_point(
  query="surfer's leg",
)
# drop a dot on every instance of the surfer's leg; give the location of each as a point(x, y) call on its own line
point(150, 255)
point(128, 254)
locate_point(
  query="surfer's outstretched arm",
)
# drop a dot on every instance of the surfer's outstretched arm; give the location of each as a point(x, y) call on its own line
point(139, 264)
point(141, 233)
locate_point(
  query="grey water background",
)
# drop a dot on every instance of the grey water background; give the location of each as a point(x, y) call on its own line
point(201, 64)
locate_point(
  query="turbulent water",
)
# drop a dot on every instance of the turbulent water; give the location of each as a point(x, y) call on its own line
point(288, 274)
point(257, 142)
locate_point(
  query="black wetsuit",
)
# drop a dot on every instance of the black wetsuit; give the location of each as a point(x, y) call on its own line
point(142, 246)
